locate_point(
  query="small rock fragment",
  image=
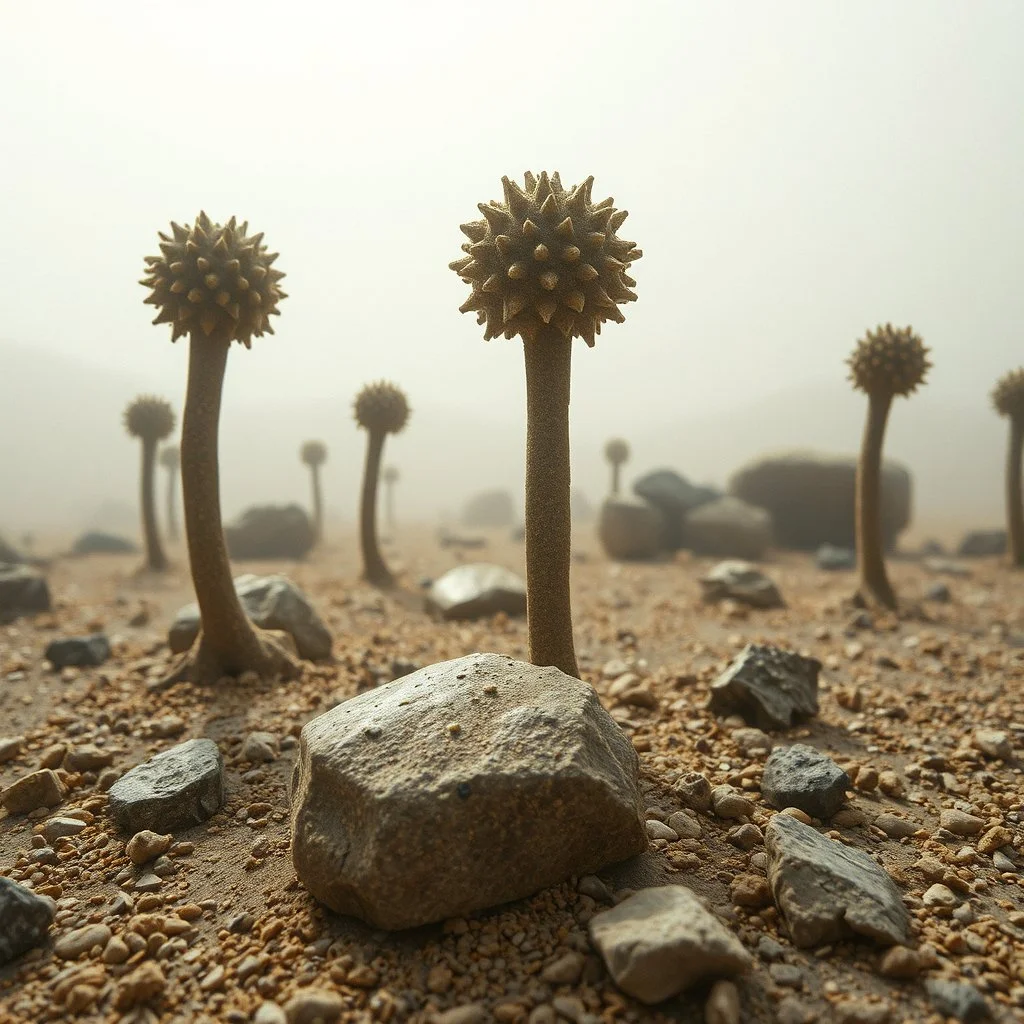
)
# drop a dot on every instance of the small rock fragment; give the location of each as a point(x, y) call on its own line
point(957, 999)
point(26, 918)
point(723, 1004)
point(694, 791)
point(800, 776)
point(147, 845)
point(78, 651)
point(41, 788)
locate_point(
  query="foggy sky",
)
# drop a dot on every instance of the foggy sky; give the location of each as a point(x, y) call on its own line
point(794, 172)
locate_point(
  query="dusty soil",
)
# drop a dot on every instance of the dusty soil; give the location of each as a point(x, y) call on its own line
point(901, 694)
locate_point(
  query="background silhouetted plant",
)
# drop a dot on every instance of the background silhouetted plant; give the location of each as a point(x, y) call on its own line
point(391, 476)
point(214, 284)
point(380, 409)
point(170, 459)
point(547, 265)
point(886, 362)
point(314, 455)
point(1008, 398)
point(150, 419)
point(616, 452)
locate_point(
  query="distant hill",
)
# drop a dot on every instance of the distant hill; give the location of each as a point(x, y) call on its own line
point(64, 455)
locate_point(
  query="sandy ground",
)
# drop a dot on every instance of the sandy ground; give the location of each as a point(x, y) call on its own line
point(902, 694)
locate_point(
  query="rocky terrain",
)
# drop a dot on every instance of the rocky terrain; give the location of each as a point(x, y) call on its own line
point(909, 765)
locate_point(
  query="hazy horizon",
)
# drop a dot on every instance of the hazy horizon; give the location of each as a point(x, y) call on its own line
point(795, 174)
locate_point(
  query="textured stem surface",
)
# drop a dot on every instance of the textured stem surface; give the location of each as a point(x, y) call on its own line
point(155, 559)
point(318, 510)
point(548, 522)
point(1014, 502)
point(390, 498)
point(874, 582)
point(228, 639)
point(374, 568)
point(172, 504)
point(615, 479)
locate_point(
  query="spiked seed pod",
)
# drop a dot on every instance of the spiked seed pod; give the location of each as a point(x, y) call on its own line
point(547, 264)
point(887, 362)
point(616, 452)
point(214, 284)
point(380, 409)
point(314, 455)
point(1008, 399)
point(150, 419)
point(170, 459)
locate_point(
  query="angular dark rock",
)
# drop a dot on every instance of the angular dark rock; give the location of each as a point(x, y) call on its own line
point(800, 776)
point(175, 789)
point(958, 999)
point(462, 786)
point(476, 590)
point(827, 892)
point(78, 651)
point(25, 919)
point(770, 688)
point(272, 602)
point(743, 582)
point(23, 591)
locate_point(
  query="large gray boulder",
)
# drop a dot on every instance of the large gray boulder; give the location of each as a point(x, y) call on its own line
point(489, 509)
point(982, 543)
point(271, 531)
point(23, 591)
point(728, 528)
point(630, 530)
point(464, 785)
point(476, 590)
point(272, 602)
point(96, 542)
point(811, 498)
point(675, 497)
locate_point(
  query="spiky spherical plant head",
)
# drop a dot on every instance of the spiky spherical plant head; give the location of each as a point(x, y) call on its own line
point(889, 361)
point(149, 417)
point(313, 453)
point(382, 406)
point(214, 281)
point(616, 451)
point(1008, 395)
point(546, 256)
point(391, 475)
point(170, 457)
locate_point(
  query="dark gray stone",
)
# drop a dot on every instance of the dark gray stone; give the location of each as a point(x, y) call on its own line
point(982, 543)
point(830, 558)
point(767, 687)
point(743, 582)
point(674, 496)
point(630, 530)
point(800, 776)
point(175, 789)
point(476, 590)
point(939, 593)
point(827, 892)
point(271, 531)
point(25, 919)
point(78, 651)
point(96, 543)
point(489, 509)
point(957, 999)
point(462, 786)
point(23, 591)
point(272, 602)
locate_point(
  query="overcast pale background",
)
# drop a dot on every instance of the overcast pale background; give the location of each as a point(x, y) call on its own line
point(795, 173)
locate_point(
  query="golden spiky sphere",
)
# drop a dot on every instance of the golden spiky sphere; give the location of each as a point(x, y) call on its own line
point(616, 451)
point(546, 256)
point(170, 457)
point(313, 453)
point(889, 361)
point(1008, 394)
point(149, 417)
point(382, 406)
point(214, 281)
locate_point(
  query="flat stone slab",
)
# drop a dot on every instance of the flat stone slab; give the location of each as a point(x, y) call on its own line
point(175, 789)
point(461, 786)
point(827, 892)
point(25, 919)
point(660, 941)
point(800, 776)
point(743, 582)
point(476, 590)
point(768, 687)
point(78, 651)
point(271, 602)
